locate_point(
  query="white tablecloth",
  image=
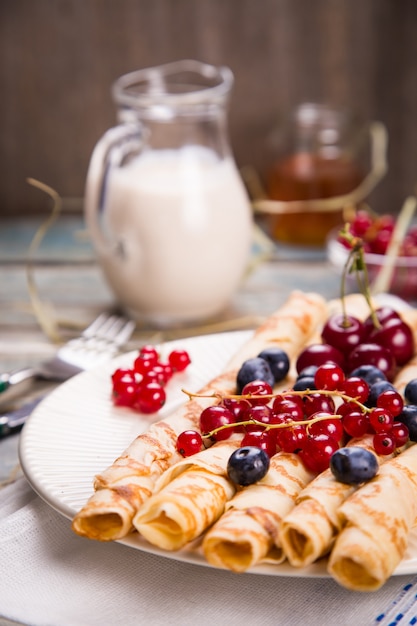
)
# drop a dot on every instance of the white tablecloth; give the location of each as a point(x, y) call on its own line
point(51, 577)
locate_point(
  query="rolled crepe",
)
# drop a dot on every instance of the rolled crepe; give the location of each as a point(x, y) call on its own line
point(188, 499)
point(122, 488)
point(310, 528)
point(377, 520)
point(247, 532)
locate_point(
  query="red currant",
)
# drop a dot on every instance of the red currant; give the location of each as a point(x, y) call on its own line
point(293, 406)
point(150, 398)
point(259, 413)
point(124, 393)
point(124, 374)
point(149, 352)
point(179, 360)
point(392, 401)
point(237, 407)
point(400, 433)
point(189, 442)
point(355, 423)
point(329, 376)
point(292, 438)
point(318, 451)
point(260, 439)
point(328, 426)
point(215, 416)
point(317, 402)
point(257, 388)
point(356, 388)
point(380, 420)
point(143, 363)
point(383, 443)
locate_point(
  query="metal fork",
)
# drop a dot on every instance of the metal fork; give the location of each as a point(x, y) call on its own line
point(98, 343)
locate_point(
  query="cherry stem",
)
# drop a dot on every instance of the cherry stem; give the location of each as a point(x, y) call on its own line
point(356, 262)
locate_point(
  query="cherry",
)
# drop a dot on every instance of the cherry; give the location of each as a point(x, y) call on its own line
point(189, 442)
point(373, 354)
point(343, 332)
point(396, 336)
point(317, 354)
point(383, 314)
point(361, 223)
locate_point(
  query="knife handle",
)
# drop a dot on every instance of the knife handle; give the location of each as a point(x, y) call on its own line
point(12, 422)
point(16, 383)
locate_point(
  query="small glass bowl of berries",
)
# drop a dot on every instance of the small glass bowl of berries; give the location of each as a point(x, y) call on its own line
point(375, 231)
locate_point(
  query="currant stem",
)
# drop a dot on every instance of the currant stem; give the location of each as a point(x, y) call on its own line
point(267, 427)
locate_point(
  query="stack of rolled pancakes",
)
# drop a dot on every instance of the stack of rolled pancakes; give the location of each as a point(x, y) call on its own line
point(289, 514)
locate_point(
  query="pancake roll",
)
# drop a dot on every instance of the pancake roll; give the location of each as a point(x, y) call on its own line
point(248, 532)
point(124, 487)
point(376, 521)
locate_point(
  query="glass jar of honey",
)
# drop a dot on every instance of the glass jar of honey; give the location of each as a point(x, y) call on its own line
point(315, 157)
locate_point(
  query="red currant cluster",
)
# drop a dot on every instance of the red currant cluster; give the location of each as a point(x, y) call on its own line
point(376, 234)
point(313, 423)
point(142, 386)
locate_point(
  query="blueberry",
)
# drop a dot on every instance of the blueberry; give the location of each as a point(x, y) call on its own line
point(369, 373)
point(353, 465)
point(247, 465)
point(309, 371)
point(410, 391)
point(375, 391)
point(408, 417)
point(301, 384)
point(278, 361)
point(254, 369)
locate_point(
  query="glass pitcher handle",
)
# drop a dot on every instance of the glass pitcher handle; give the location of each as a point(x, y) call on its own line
point(111, 150)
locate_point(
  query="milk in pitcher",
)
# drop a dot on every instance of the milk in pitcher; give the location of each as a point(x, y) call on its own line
point(178, 224)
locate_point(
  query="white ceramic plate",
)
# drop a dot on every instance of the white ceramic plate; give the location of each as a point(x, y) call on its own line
point(76, 432)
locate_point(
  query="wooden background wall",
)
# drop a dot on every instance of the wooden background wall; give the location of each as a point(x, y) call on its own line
point(58, 59)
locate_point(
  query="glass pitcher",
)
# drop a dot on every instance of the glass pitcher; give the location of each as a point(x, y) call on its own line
point(165, 206)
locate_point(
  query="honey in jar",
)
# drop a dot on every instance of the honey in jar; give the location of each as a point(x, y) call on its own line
point(319, 163)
